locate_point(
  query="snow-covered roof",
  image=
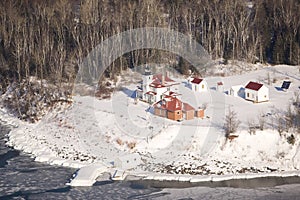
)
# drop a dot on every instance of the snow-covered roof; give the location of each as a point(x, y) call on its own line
point(236, 87)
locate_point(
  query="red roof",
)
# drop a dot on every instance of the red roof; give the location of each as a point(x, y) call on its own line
point(170, 103)
point(171, 94)
point(156, 85)
point(151, 93)
point(197, 80)
point(159, 78)
point(187, 107)
point(253, 86)
point(220, 83)
point(159, 83)
point(173, 104)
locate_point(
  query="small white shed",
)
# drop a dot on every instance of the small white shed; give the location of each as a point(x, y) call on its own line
point(256, 92)
point(129, 161)
point(198, 85)
point(236, 90)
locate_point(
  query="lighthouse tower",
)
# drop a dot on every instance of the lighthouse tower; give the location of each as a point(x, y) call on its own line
point(147, 80)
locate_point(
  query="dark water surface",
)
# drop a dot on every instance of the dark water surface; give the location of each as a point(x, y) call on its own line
point(22, 178)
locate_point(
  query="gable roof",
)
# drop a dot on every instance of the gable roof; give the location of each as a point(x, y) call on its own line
point(173, 104)
point(171, 94)
point(151, 93)
point(159, 78)
point(169, 103)
point(160, 81)
point(254, 86)
point(197, 80)
point(187, 107)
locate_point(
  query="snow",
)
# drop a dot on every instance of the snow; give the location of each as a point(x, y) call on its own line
point(159, 141)
point(87, 175)
point(100, 131)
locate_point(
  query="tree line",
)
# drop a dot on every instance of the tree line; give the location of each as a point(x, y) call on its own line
point(48, 39)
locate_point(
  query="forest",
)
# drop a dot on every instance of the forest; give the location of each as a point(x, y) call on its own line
point(47, 39)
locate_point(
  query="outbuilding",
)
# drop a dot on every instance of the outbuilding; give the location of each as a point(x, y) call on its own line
point(256, 92)
point(169, 107)
point(236, 91)
point(198, 85)
point(188, 111)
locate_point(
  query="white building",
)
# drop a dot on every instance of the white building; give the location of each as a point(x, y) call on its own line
point(256, 92)
point(198, 85)
point(236, 91)
point(154, 87)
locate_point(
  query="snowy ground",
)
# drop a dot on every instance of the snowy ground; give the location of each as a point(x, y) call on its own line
point(94, 130)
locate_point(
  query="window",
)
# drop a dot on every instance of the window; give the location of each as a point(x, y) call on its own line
point(248, 94)
point(202, 86)
point(178, 112)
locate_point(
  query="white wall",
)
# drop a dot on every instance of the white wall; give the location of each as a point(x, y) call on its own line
point(257, 96)
point(250, 94)
point(202, 87)
point(159, 92)
point(263, 94)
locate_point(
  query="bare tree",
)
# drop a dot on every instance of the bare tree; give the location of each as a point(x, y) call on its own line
point(280, 124)
point(261, 121)
point(251, 126)
point(231, 122)
point(289, 118)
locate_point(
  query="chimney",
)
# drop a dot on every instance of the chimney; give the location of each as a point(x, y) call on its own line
point(163, 79)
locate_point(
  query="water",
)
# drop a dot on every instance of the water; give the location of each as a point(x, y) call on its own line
point(22, 178)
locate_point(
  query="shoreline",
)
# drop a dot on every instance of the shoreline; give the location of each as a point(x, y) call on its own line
point(213, 181)
point(269, 181)
point(215, 178)
point(50, 158)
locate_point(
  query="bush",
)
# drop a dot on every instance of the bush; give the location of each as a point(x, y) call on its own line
point(291, 139)
point(131, 145)
point(119, 141)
